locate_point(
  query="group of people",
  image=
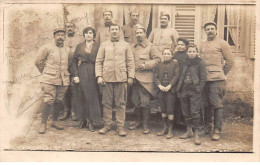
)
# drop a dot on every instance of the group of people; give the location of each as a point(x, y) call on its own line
point(116, 65)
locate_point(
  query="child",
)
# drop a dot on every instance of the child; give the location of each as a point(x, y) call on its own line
point(189, 88)
point(180, 55)
point(166, 77)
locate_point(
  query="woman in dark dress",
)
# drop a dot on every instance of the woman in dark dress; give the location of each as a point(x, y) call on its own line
point(83, 66)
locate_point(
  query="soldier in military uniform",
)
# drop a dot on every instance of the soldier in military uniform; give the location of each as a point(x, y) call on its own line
point(114, 69)
point(218, 60)
point(146, 58)
point(129, 35)
point(103, 33)
point(52, 62)
point(71, 101)
point(164, 36)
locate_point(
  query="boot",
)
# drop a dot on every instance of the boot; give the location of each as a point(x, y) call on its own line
point(82, 124)
point(73, 116)
point(56, 109)
point(121, 131)
point(90, 126)
point(216, 135)
point(196, 124)
point(197, 137)
point(170, 130)
point(104, 130)
point(146, 117)
point(138, 123)
point(66, 114)
point(165, 127)
point(189, 131)
point(56, 125)
point(45, 110)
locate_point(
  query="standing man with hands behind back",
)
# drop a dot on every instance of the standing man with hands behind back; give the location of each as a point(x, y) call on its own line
point(218, 61)
point(114, 68)
point(52, 62)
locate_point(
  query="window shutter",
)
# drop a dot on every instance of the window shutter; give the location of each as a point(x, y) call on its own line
point(185, 21)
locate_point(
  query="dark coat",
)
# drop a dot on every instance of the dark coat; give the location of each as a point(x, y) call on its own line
point(173, 73)
point(198, 73)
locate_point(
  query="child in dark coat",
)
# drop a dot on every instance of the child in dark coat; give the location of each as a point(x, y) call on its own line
point(166, 77)
point(189, 88)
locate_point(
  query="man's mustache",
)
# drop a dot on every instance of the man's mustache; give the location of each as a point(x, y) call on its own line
point(60, 39)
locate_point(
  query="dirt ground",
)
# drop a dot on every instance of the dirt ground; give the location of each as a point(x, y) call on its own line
point(237, 136)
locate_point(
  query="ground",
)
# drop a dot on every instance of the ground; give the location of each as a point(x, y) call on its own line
point(237, 136)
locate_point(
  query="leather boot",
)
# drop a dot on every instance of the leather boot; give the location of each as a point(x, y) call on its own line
point(197, 140)
point(170, 130)
point(146, 117)
point(45, 110)
point(189, 131)
point(66, 114)
point(82, 124)
point(56, 109)
point(121, 131)
point(138, 123)
point(104, 130)
point(73, 116)
point(216, 135)
point(90, 125)
point(165, 127)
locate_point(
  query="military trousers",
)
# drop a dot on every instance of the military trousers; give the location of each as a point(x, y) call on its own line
point(114, 96)
point(213, 95)
point(140, 96)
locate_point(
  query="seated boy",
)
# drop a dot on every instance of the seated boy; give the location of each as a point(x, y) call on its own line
point(189, 88)
point(166, 78)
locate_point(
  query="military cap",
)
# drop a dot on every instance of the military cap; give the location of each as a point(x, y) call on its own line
point(210, 23)
point(56, 30)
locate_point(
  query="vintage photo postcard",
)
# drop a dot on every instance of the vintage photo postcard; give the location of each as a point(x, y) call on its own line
point(129, 80)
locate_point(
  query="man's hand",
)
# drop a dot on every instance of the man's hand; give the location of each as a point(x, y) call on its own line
point(168, 88)
point(76, 80)
point(130, 81)
point(100, 81)
point(162, 88)
point(141, 67)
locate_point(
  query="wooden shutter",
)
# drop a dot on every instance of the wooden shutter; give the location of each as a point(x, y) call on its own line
point(185, 21)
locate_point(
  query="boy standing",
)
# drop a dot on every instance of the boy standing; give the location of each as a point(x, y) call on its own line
point(189, 88)
point(166, 78)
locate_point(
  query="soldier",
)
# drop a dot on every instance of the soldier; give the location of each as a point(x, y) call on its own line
point(71, 100)
point(103, 33)
point(114, 69)
point(218, 60)
point(129, 35)
point(52, 62)
point(146, 58)
point(129, 30)
point(164, 36)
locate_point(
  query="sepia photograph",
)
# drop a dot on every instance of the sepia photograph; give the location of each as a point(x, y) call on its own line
point(108, 77)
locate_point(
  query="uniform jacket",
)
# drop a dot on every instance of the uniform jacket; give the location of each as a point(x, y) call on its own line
point(103, 34)
point(72, 42)
point(198, 74)
point(129, 33)
point(172, 68)
point(218, 59)
point(115, 61)
point(146, 53)
point(162, 38)
point(52, 62)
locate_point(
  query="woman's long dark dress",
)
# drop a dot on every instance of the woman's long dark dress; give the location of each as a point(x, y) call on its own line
point(90, 99)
